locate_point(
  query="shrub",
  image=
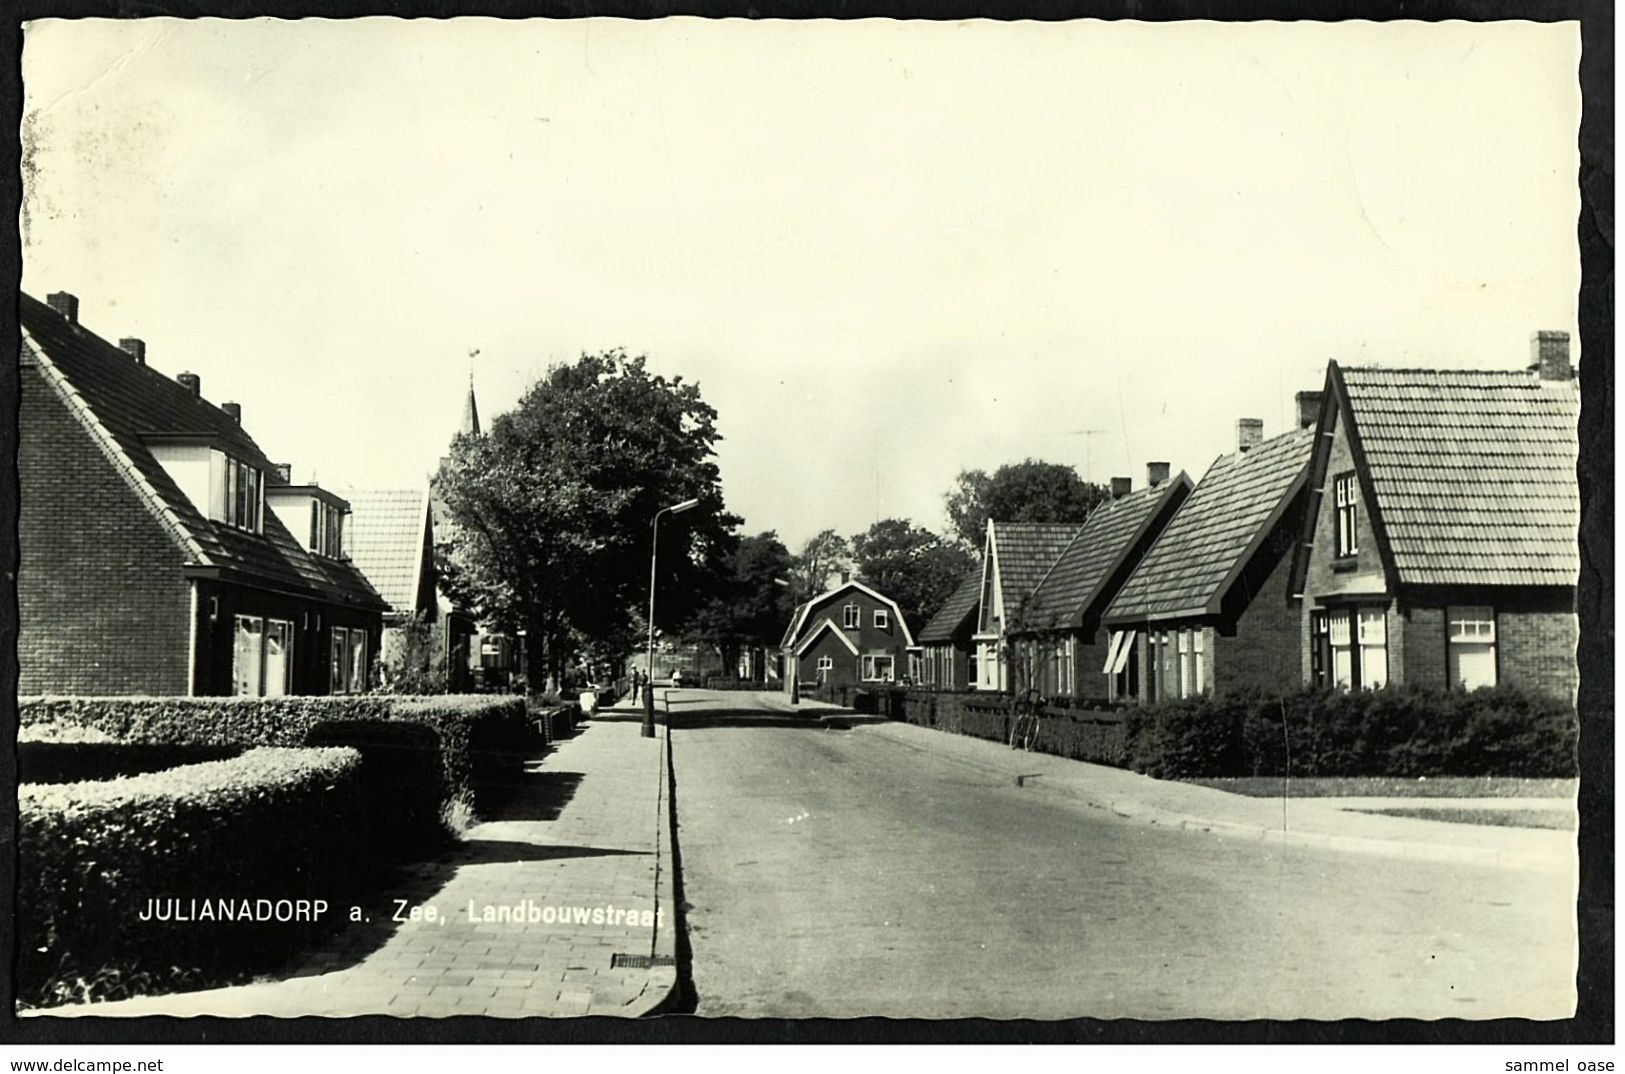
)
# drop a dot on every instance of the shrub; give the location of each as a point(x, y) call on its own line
point(91, 855)
point(403, 783)
point(74, 762)
point(482, 736)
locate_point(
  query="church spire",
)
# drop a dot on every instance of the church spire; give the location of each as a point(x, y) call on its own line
point(471, 410)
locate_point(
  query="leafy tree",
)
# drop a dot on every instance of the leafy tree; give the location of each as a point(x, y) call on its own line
point(913, 566)
point(822, 557)
point(550, 512)
point(751, 607)
point(1028, 491)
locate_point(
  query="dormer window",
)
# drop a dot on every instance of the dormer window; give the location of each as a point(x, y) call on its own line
point(326, 529)
point(245, 496)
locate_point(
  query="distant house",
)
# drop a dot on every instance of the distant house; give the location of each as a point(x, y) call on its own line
point(948, 653)
point(391, 538)
point(149, 562)
point(1015, 558)
point(1059, 641)
point(1208, 609)
point(1441, 547)
point(848, 636)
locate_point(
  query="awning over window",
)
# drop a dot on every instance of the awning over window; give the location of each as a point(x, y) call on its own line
point(1117, 655)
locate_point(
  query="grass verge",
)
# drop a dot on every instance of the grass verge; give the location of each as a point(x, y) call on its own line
point(1383, 787)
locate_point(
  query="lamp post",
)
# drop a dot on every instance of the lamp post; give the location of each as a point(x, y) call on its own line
point(654, 548)
point(789, 668)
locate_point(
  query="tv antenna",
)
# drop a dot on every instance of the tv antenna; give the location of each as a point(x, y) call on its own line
point(1088, 444)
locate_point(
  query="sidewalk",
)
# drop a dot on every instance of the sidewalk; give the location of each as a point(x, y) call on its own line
point(589, 830)
point(1328, 823)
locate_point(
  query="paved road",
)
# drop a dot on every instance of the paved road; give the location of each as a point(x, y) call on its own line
point(838, 873)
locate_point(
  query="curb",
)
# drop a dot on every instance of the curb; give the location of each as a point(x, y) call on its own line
point(1132, 809)
point(662, 992)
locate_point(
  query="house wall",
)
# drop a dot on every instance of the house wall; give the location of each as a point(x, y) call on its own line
point(219, 603)
point(947, 666)
point(1537, 633)
point(102, 604)
point(1088, 657)
point(1264, 648)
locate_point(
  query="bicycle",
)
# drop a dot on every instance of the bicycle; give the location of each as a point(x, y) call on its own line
point(1028, 721)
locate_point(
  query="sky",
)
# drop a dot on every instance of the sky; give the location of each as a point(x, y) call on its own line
point(886, 251)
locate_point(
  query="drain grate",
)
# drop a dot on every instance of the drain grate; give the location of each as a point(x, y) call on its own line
point(639, 962)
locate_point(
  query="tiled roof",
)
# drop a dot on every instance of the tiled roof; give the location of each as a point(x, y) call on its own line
point(385, 536)
point(131, 400)
point(1187, 567)
point(1078, 576)
point(1027, 550)
point(953, 613)
point(1473, 472)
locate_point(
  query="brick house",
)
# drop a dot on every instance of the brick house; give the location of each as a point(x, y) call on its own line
point(1208, 609)
point(1015, 558)
point(1059, 645)
point(1441, 542)
point(948, 659)
point(155, 552)
point(390, 537)
point(848, 636)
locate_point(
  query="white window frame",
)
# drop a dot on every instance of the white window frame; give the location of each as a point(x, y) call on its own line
point(244, 514)
point(349, 678)
point(1474, 626)
point(1345, 490)
point(1372, 637)
point(825, 665)
point(851, 617)
point(870, 667)
point(261, 684)
point(882, 619)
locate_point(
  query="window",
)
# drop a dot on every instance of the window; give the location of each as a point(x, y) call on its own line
point(348, 660)
point(916, 667)
point(245, 496)
point(1347, 515)
point(1349, 648)
point(326, 529)
point(1121, 667)
point(882, 620)
point(1471, 651)
point(825, 666)
point(262, 657)
point(877, 668)
point(1189, 680)
point(851, 616)
point(1373, 638)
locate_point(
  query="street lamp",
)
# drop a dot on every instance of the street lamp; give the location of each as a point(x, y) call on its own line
point(654, 547)
point(794, 673)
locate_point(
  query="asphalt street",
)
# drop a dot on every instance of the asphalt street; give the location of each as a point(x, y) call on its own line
point(836, 873)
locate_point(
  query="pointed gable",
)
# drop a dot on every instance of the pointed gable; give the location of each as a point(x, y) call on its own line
point(389, 536)
point(1229, 514)
point(1019, 554)
point(1472, 472)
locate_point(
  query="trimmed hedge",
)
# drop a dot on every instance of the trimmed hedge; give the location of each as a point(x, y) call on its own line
point(40, 761)
point(403, 783)
point(1498, 731)
point(1394, 732)
point(92, 855)
point(482, 737)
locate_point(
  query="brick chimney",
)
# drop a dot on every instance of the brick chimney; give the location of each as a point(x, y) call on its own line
point(191, 382)
point(1122, 486)
point(65, 304)
point(1156, 473)
point(1549, 355)
point(1249, 433)
point(234, 411)
point(1308, 409)
point(135, 349)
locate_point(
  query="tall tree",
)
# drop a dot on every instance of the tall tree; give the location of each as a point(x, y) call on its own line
point(1027, 491)
point(753, 604)
point(551, 510)
point(821, 559)
point(911, 565)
